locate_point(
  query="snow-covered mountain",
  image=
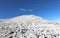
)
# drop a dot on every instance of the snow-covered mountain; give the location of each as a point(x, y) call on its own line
point(29, 26)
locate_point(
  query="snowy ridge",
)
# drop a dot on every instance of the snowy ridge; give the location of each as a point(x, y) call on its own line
point(27, 17)
point(29, 26)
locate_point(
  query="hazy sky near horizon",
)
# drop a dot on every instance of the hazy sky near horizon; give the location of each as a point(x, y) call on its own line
point(48, 9)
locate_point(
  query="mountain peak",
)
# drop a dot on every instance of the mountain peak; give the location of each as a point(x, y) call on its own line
point(28, 26)
point(28, 18)
point(25, 18)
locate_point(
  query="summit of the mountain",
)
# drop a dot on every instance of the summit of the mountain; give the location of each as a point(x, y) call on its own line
point(25, 18)
point(29, 26)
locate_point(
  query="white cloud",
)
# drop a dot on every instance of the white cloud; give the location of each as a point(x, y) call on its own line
point(23, 9)
point(26, 9)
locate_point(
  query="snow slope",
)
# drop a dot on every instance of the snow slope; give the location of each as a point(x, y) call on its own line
point(29, 26)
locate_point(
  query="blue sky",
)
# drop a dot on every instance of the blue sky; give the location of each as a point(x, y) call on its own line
point(48, 9)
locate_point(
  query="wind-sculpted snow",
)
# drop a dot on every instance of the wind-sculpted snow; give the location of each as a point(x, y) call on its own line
point(29, 26)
